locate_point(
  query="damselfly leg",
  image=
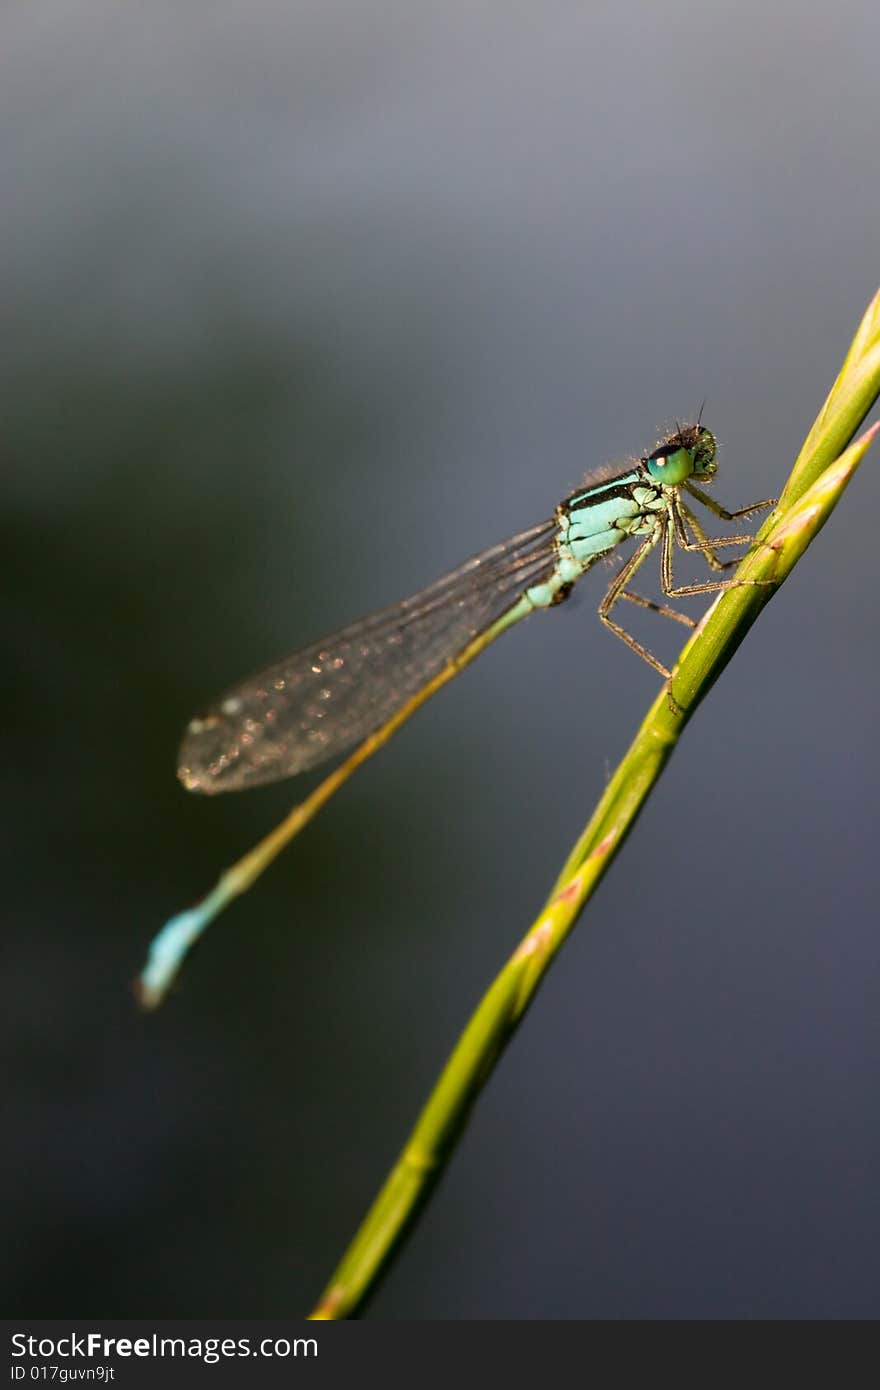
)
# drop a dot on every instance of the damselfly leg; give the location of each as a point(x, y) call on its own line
point(670, 531)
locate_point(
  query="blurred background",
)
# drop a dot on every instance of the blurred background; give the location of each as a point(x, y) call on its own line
point(303, 304)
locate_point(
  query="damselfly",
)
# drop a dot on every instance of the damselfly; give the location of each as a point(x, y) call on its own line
point(360, 684)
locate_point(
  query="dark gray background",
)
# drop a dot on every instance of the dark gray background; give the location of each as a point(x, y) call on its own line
point(303, 304)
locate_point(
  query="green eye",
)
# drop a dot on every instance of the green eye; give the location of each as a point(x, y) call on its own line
point(670, 468)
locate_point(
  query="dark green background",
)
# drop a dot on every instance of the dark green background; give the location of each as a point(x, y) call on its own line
point(303, 304)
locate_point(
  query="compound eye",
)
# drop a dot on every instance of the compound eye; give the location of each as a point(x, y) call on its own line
point(670, 466)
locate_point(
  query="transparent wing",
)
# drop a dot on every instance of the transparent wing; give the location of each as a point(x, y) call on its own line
point(321, 700)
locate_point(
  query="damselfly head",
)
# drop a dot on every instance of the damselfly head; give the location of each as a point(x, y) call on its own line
point(689, 453)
